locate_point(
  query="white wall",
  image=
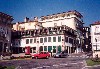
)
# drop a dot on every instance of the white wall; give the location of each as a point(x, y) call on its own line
point(67, 20)
point(26, 26)
point(23, 42)
point(95, 35)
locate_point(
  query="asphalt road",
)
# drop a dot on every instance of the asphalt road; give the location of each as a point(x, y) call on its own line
point(51, 63)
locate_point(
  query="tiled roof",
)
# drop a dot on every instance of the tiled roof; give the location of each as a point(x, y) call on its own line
point(96, 23)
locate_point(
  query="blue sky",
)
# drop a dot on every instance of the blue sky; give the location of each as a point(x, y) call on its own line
point(19, 9)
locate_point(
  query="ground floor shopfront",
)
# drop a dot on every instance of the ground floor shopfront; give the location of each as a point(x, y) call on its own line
point(29, 50)
point(52, 44)
point(51, 49)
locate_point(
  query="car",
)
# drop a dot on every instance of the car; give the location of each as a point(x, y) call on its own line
point(41, 55)
point(61, 54)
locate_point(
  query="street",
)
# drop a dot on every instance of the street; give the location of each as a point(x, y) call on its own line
point(51, 63)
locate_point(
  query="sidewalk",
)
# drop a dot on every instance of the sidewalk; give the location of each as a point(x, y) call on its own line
point(20, 55)
point(82, 55)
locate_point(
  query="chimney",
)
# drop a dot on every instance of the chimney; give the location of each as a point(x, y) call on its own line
point(35, 18)
point(26, 19)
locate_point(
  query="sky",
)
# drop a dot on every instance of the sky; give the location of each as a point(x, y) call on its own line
point(19, 9)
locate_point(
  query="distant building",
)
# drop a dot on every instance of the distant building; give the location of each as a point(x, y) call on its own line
point(95, 38)
point(5, 32)
point(52, 33)
point(87, 39)
point(27, 25)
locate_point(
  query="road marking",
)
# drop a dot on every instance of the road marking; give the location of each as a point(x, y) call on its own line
point(46, 66)
point(55, 65)
point(39, 67)
point(63, 64)
point(34, 68)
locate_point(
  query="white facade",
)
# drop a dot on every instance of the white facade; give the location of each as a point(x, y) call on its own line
point(67, 20)
point(35, 40)
point(95, 37)
point(71, 19)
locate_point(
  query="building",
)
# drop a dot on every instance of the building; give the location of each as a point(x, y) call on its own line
point(52, 33)
point(95, 35)
point(5, 32)
point(27, 24)
point(87, 39)
point(45, 39)
point(72, 19)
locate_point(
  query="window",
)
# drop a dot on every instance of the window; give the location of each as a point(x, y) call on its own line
point(41, 48)
point(68, 15)
point(59, 48)
point(31, 40)
point(54, 49)
point(49, 39)
point(66, 39)
point(70, 40)
point(54, 39)
point(45, 48)
point(45, 39)
point(59, 38)
point(49, 48)
point(34, 40)
point(34, 49)
point(41, 40)
point(27, 41)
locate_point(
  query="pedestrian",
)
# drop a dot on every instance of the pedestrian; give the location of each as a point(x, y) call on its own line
point(51, 52)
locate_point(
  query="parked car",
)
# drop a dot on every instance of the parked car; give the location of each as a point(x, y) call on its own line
point(61, 54)
point(41, 55)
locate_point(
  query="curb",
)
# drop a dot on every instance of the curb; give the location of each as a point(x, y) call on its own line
point(89, 66)
point(93, 66)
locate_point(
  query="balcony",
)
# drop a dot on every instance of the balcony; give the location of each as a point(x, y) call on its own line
point(45, 31)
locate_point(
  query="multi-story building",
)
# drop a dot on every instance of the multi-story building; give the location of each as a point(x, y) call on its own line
point(5, 32)
point(87, 39)
point(72, 19)
point(95, 38)
point(53, 33)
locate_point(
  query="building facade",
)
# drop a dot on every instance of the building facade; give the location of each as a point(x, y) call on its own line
point(72, 19)
point(27, 24)
point(52, 33)
point(5, 32)
point(47, 39)
point(95, 35)
point(87, 39)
